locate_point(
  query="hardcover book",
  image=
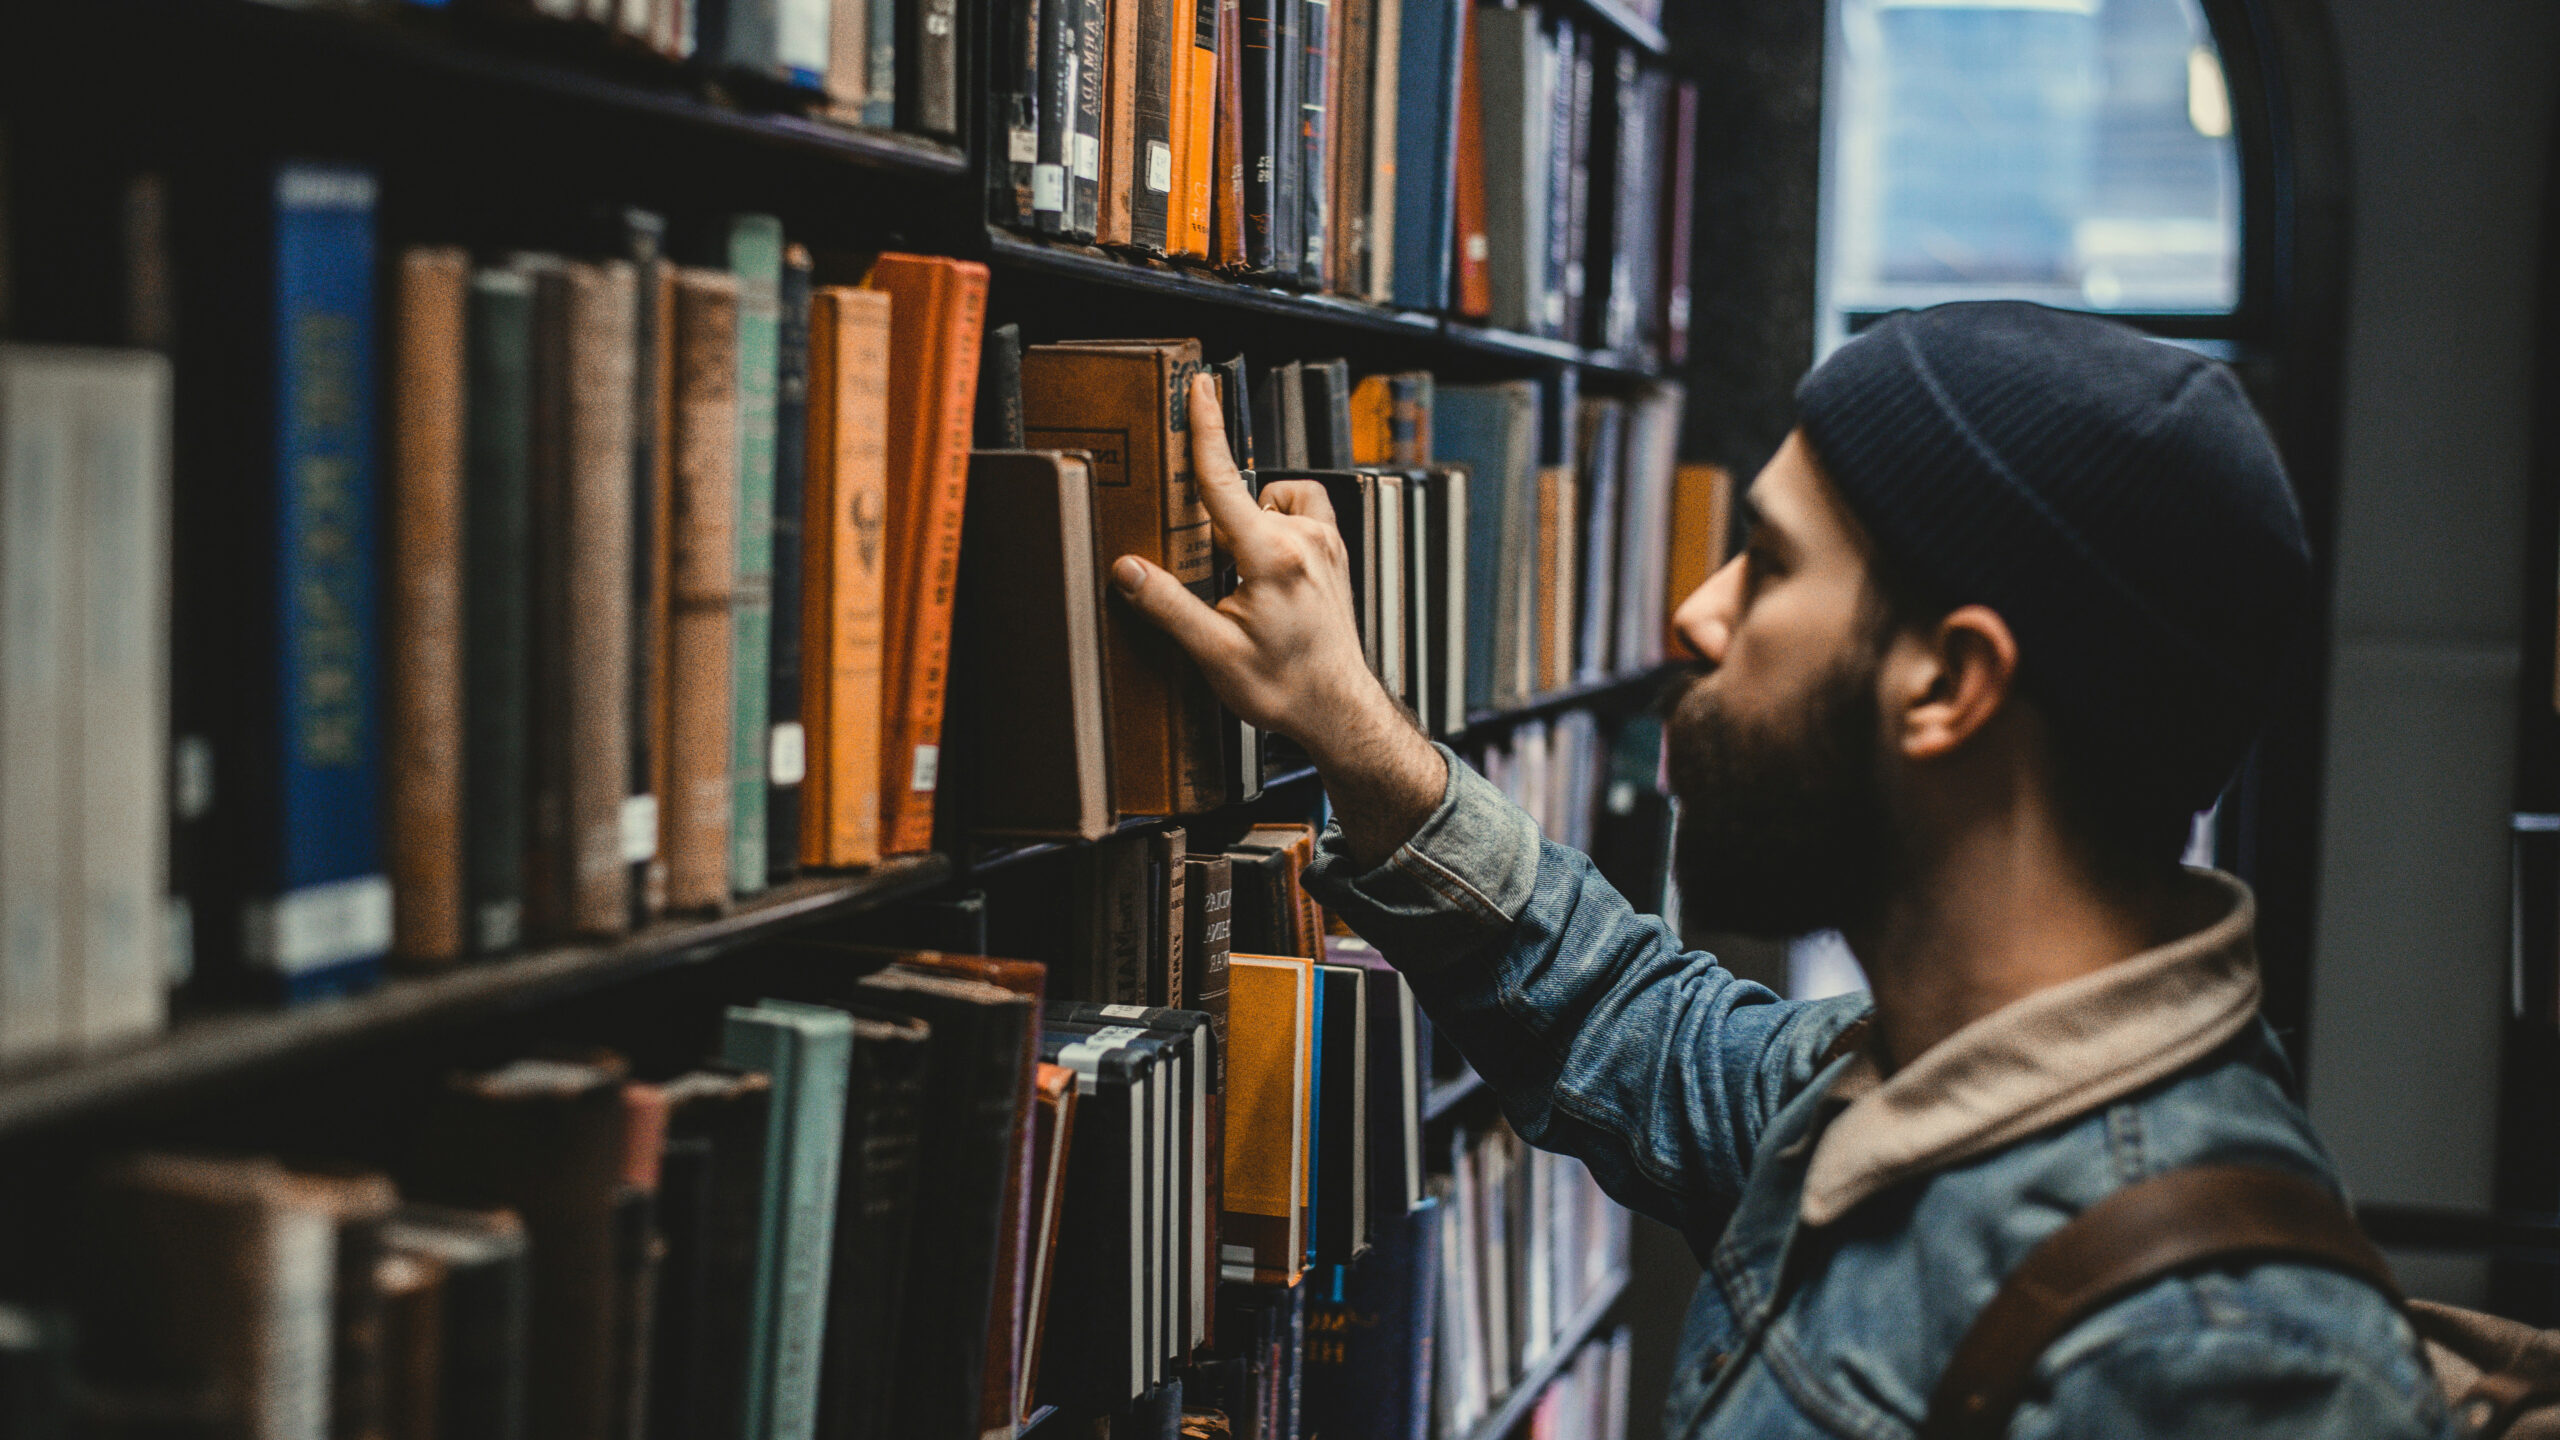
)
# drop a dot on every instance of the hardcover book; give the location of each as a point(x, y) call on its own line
point(787, 739)
point(483, 1310)
point(423, 820)
point(875, 1221)
point(497, 605)
point(844, 524)
point(695, 813)
point(1262, 1236)
point(806, 1049)
point(711, 1208)
point(754, 255)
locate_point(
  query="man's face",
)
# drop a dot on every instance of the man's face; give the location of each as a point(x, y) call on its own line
point(1774, 750)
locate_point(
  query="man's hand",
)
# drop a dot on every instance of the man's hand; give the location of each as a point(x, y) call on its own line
point(1283, 651)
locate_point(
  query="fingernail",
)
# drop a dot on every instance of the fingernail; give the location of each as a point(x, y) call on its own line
point(1129, 574)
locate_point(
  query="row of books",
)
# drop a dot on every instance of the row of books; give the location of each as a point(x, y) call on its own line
point(1487, 162)
point(877, 63)
point(1598, 787)
point(1589, 1400)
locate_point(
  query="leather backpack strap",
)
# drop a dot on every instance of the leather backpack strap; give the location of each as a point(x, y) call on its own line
point(2182, 1220)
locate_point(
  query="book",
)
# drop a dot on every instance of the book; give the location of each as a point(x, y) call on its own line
point(483, 1308)
point(806, 1049)
point(1316, 43)
point(1370, 1356)
point(1182, 18)
point(497, 562)
point(1551, 649)
point(1598, 533)
point(1102, 1359)
point(543, 1137)
point(695, 813)
point(643, 235)
point(1398, 1072)
point(881, 86)
point(1125, 405)
point(423, 627)
point(1515, 98)
point(1092, 107)
point(774, 42)
point(973, 1090)
point(1328, 414)
point(1267, 132)
point(1172, 1175)
point(357, 1203)
point(1053, 1108)
point(1385, 103)
point(1209, 932)
point(787, 738)
point(276, 643)
point(936, 307)
point(1471, 286)
point(1347, 101)
point(998, 422)
point(1167, 883)
point(1700, 539)
point(1262, 1234)
point(1227, 220)
point(1679, 168)
point(848, 58)
point(1649, 459)
point(1196, 94)
point(1037, 724)
point(1569, 198)
point(1151, 138)
point(1123, 151)
point(1272, 915)
point(711, 1207)
point(1426, 597)
point(1060, 50)
point(639, 1255)
point(1492, 430)
point(1110, 923)
point(1015, 37)
point(1447, 537)
point(411, 1291)
point(844, 525)
point(1423, 141)
point(929, 67)
point(875, 1217)
point(752, 250)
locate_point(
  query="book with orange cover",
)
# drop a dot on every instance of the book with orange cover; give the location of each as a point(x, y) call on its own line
point(937, 311)
point(842, 589)
point(1474, 248)
point(1372, 417)
point(1271, 1003)
point(694, 819)
point(423, 642)
point(1053, 1122)
point(1125, 404)
point(1701, 535)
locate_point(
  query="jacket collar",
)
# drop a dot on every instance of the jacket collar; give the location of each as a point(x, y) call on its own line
point(2054, 1055)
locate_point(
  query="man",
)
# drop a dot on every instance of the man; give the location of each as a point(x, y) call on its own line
point(2015, 596)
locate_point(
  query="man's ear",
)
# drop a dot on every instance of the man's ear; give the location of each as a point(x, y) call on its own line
point(1945, 682)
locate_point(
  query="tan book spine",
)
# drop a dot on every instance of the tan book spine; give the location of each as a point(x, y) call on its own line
point(1386, 65)
point(603, 316)
point(694, 823)
point(936, 322)
point(1120, 143)
point(842, 617)
point(424, 652)
point(848, 60)
point(1553, 653)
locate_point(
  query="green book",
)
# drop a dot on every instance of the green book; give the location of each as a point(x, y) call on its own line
point(755, 257)
point(808, 1050)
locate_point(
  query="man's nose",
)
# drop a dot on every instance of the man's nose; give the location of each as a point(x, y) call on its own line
point(1703, 625)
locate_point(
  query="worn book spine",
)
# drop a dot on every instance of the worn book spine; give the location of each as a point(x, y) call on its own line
point(936, 322)
point(695, 820)
point(1288, 142)
point(595, 634)
point(754, 256)
point(1677, 219)
point(1577, 246)
point(787, 742)
point(1384, 100)
point(639, 1257)
point(875, 1218)
point(1260, 129)
point(998, 425)
point(1347, 110)
point(1182, 24)
point(1151, 145)
point(929, 67)
point(1599, 570)
point(1473, 255)
point(1040, 764)
point(652, 495)
point(1059, 50)
point(1554, 606)
point(497, 533)
point(1316, 42)
point(1123, 160)
point(1511, 70)
point(39, 721)
point(806, 1049)
point(1560, 57)
point(1010, 172)
point(880, 85)
point(424, 648)
point(547, 747)
point(1195, 176)
point(1427, 127)
point(847, 500)
point(1092, 123)
point(712, 1188)
point(1168, 924)
point(1227, 220)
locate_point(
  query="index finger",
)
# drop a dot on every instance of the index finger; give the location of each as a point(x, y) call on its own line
point(1213, 466)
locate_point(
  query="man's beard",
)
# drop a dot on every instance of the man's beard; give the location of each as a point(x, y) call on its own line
point(1783, 829)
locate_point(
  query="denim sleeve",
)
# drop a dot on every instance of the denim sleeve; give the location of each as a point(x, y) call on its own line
point(2282, 1352)
point(1603, 1039)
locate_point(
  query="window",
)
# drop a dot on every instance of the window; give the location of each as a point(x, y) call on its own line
point(2074, 152)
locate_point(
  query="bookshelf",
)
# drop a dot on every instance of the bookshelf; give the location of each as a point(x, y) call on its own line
point(1515, 1406)
point(1447, 1095)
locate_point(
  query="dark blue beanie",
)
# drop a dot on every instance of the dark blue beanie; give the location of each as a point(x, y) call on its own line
point(2115, 499)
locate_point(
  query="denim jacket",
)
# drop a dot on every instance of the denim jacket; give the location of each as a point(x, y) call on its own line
point(1851, 1225)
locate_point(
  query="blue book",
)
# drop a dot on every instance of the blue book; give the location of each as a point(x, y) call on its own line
point(316, 905)
point(1371, 1345)
point(1491, 430)
point(808, 1050)
point(1433, 49)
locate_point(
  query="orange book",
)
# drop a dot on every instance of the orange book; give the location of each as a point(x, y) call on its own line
point(1701, 535)
point(1178, 137)
point(938, 309)
point(1373, 409)
point(841, 631)
point(1270, 1000)
point(1195, 129)
point(1474, 290)
point(424, 649)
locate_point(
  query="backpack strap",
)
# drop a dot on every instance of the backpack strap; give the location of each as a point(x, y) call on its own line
point(2184, 1219)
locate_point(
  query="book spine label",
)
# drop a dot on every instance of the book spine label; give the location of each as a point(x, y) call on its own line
point(597, 617)
point(801, 43)
point(424, 643)
point(694, 819)
point(755, 257)
point(328, 920)
point(497, 528)
point(787, 745)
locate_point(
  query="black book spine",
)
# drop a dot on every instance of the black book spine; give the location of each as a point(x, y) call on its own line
point(1236, 410)
point(1152, 193)
point(645, 243)
point(1084, 168)
point(637, 1255)
point(488, 1309)
point(1211, 908)
point(1060, 52)
point(1315, 136)
point(787, 748)
point(1014, 148)
point(875, 1214)
point(999, 414)
point(929, 66)
point(1087, 1362)
point(497, 605)
point(684, 1280)
point(1261, 140)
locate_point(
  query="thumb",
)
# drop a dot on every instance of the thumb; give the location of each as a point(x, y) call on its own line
point(1196, 626)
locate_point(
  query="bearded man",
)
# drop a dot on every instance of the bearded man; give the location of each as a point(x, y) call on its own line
point(2015, 596)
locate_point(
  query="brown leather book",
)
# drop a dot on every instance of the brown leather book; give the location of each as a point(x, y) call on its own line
point(845, 533)
point(1701, 534)
point(545, 1138)
point(1347, 81)
point(936, 315)
point(693, 823)
point(1474, 248)
point(1122, 163)
point(1226, 200)
point(1039, 750)
point(1301, 920)
point(412, 1291)
point(423, 649)
point(1553, 608)
point(1125, 403)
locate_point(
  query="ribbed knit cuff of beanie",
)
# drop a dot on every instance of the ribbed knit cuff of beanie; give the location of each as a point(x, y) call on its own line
point(2115, 499)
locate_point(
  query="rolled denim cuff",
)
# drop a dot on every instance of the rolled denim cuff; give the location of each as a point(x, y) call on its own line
point(1454, 888)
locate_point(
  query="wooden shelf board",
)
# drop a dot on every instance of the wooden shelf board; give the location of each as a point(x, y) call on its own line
point(1483, 722)
point(237, 1045)
point(1516, 1404)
